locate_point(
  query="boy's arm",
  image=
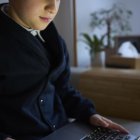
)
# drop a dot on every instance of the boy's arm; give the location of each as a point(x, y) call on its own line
point(78, 107)
point(75, 105)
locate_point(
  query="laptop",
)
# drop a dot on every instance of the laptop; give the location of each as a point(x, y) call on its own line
point(80, 131)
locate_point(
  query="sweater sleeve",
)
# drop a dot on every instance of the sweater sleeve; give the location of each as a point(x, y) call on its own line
point(75, 104)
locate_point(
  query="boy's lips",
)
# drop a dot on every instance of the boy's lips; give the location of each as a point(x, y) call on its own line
point(46, 19)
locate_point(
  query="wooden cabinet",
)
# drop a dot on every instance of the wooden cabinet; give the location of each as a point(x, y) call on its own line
point(115, 92)
point(117, 61)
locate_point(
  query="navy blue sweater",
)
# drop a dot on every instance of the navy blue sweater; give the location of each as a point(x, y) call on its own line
point(35, 94)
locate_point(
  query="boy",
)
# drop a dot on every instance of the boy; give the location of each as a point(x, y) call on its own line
point(35, 95)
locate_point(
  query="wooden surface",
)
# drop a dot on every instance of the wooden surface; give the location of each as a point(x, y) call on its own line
point(123, 62)
point(115, 92)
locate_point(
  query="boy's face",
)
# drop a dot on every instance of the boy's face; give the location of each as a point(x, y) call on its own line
point(35, 14)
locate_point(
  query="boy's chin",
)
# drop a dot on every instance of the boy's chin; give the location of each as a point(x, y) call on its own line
point(40, 28)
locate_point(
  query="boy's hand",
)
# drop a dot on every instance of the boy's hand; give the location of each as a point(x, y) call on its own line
point(104, 122)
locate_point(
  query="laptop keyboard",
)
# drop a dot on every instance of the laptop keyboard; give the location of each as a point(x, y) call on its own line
point(100, 133)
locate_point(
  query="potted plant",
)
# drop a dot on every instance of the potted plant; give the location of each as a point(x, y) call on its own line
point(95, 46)
point(115, 20)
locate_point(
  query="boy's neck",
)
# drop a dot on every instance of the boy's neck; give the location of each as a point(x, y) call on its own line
point(6, 10)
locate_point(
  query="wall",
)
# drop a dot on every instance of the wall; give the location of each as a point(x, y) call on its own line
point(64, 23)
point(1, 1)
point(84, 8)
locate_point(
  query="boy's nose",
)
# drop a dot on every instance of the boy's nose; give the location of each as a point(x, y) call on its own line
point(52, 6)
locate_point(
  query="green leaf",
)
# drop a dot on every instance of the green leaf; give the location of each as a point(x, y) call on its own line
point(94, 43)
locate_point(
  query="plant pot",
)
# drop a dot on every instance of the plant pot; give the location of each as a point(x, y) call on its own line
point(98, 59)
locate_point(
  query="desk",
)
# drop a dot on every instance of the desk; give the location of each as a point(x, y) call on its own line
point(116, 92)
